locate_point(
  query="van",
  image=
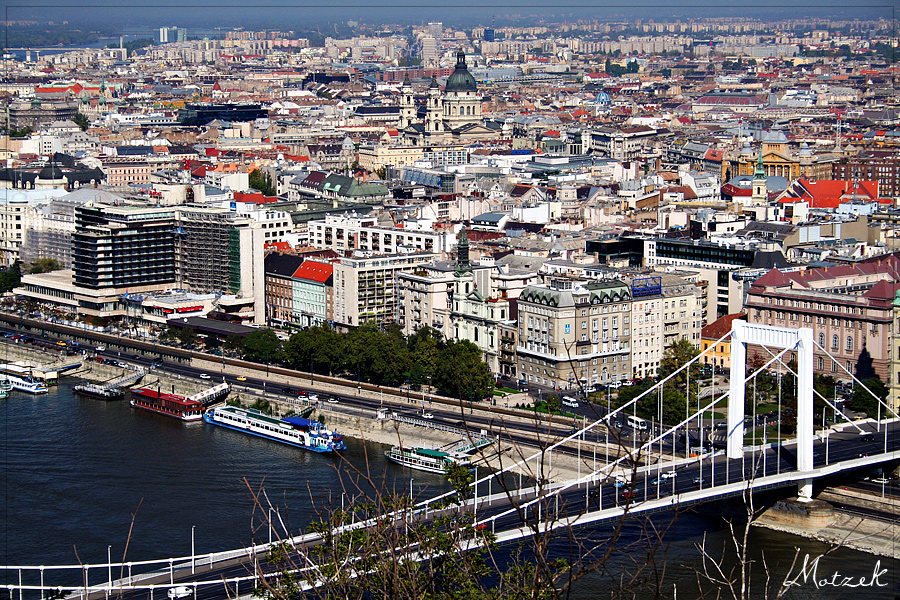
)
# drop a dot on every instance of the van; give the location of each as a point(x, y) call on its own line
point(570, 402)
point(637, 423)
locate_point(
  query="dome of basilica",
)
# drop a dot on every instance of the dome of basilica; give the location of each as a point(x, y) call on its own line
point(460, 80)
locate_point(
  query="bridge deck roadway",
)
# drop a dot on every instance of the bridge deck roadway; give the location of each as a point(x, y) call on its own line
point(565, 505)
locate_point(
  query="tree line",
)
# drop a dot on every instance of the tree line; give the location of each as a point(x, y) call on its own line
point(369, 353)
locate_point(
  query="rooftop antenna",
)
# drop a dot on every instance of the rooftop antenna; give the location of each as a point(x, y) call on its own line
point(837, 141)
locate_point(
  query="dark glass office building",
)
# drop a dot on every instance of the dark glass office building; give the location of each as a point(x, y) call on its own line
point(123, 247)
point(201, 114)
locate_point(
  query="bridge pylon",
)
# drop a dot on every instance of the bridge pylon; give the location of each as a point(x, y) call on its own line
point(799, 340)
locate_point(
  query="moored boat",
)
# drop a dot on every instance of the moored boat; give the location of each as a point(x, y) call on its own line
point(5, 386)
point(296, 431)
point(425, 459)
point(171, 405)
point(20, 378)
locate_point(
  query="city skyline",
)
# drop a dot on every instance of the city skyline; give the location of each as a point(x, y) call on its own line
point(465, 14)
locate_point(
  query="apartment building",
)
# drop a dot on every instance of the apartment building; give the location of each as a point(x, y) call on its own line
point(280, 269)
point(311, 287)
point(425, 295)
point(372, 158)
point(848, 307)
point(346, 233)
point(126, 173)
point(365, 288)
point(664, 310)
point(601, 331)
point(560, 340)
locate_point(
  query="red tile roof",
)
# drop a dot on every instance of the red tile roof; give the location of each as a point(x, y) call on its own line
point(829, 193)
point(314, 271)
point(888, 265)
point(718, 328)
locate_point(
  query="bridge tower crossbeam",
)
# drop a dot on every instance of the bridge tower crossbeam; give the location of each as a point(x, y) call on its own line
point(800, 340)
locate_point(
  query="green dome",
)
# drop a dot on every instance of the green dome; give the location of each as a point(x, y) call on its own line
point(460, 80)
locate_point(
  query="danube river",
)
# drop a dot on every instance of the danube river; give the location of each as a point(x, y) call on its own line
point(79, 474)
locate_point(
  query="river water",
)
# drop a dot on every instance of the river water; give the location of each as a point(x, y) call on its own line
point(78, 474)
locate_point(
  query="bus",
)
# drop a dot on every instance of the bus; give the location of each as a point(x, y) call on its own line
point(637, 423)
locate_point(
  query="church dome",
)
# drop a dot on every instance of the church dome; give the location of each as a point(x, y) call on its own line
point(50, 172)
point(460, 80)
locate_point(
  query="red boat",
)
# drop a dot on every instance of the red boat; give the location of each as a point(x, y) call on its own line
point(171, 405)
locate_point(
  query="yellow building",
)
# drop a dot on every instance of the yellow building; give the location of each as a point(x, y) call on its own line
point(372, 158)
point(720, 356)
point(779, 160)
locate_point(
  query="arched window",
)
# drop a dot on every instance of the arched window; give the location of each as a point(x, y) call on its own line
point(476, 334)
point(822, 339)
point(835, 343)
point(849, 343)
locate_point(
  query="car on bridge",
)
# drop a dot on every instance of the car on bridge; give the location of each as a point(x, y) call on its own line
point(181, 591)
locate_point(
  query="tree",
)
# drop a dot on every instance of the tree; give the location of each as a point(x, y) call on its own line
point(261, 345)
point(862, 401)
point(676, 356)
point(44, 265)
point(554, 403)
point(82, 121)
point(462, 373)
point(424, 348)
point(11, 278)
point(262, 182)
point(21, 133)
point(187, 336)
point(233, 343)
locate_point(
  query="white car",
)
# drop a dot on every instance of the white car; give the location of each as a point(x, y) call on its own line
point(100, 349)
point(428, 416)
point(204, 376)
point(669, 475)
point(182, 591)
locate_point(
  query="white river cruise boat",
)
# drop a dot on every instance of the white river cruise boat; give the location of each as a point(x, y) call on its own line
point(425, 459)
point(296, 431)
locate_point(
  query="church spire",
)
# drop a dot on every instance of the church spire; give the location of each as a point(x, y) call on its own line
point(760, 170)
point(461, 59)
point(462, 254)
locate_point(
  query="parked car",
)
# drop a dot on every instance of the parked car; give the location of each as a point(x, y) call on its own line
point(204, 376)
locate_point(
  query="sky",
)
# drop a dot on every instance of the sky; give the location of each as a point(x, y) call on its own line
point(461, 13)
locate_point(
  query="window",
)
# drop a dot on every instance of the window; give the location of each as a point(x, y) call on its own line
point(835, 342)
point(822, 340)
point(849, 343)
point(820, 363)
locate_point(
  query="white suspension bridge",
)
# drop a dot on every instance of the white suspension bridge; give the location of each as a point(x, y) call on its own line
point(652, 475)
